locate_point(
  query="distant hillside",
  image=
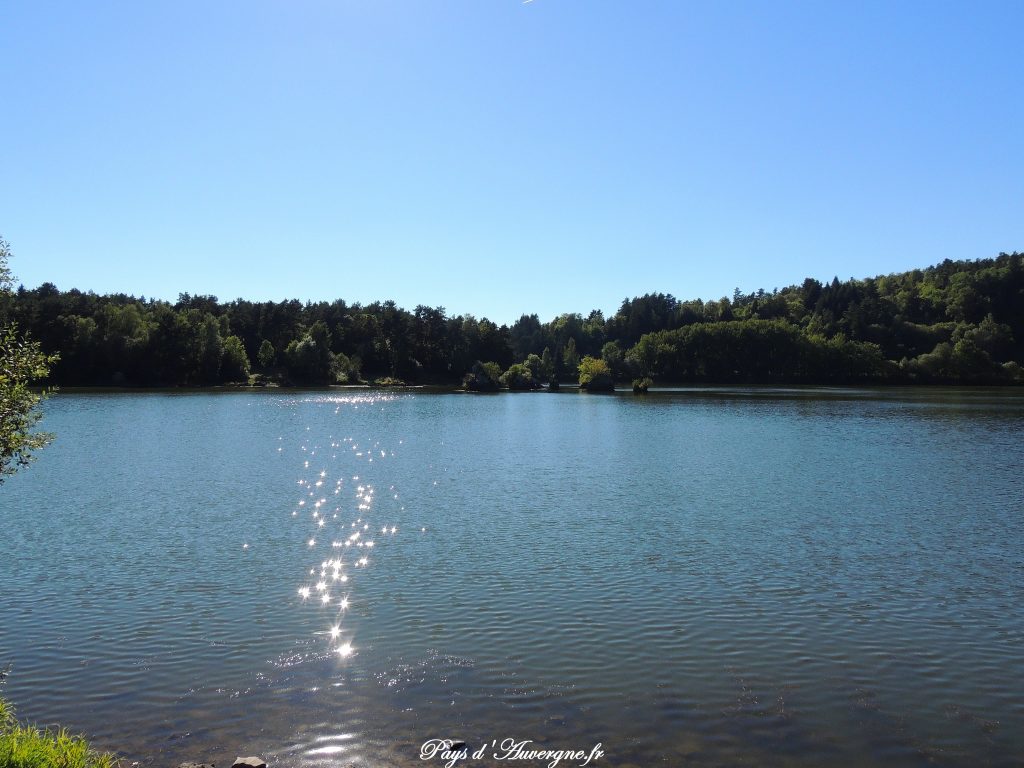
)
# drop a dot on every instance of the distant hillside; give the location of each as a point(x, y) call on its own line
point(956, 322)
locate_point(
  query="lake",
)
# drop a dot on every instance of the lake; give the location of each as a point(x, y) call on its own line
point(797, 577)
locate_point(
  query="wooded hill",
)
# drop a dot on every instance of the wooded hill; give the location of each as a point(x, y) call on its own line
point(956, 322)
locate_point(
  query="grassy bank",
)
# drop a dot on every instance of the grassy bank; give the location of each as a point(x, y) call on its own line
point(24, 746)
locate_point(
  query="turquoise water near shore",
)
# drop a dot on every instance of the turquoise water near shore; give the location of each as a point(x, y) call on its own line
point(703, 576)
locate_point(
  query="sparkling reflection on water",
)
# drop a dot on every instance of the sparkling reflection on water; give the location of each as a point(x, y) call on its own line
point(705, 577)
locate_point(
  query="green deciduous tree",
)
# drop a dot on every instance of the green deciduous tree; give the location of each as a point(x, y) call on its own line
point(570, 358)
point(536, 366)
point(547, 364)
point(266, 354)
point(519, 377)
point(21, 363)
point(484, 377)
point(310, 360)
point(234, 364)
point(612, 354)
point(208, 350)
point(595, 375)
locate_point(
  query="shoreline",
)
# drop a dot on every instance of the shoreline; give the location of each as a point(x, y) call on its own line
point(666, 388)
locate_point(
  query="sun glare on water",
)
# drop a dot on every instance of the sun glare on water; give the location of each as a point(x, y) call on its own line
point(344, 526)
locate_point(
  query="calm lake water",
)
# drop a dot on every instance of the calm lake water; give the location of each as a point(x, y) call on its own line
point(707, 577)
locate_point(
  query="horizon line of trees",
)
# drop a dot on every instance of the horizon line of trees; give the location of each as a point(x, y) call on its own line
point(955, 322)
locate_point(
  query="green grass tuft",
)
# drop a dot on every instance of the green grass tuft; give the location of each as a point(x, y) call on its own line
point(24, 746)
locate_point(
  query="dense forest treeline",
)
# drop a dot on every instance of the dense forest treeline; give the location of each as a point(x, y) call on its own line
point(957, 322)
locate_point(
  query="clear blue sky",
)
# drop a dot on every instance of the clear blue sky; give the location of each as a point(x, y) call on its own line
point(499, 157)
